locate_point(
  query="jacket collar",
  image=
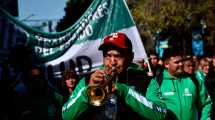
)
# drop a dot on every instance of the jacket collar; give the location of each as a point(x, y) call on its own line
point(167, 75)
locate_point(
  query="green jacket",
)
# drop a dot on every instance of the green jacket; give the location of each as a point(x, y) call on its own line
point(200, 75)
point(179, 95)
point(77, 106)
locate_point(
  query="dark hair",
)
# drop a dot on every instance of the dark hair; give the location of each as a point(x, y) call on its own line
point(30, 74)
point(126, 52)
point(187, 58)
point(171, 52)
point(152, 52)
point(112, 47)
point(35, 81)
point(71, 73)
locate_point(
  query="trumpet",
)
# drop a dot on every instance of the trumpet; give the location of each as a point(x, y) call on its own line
point(99, 93)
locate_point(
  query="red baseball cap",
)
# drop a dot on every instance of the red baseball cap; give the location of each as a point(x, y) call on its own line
point(118, 39)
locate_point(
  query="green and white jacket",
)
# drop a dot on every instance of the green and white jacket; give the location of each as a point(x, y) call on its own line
point(131, 102)
point(180, 96)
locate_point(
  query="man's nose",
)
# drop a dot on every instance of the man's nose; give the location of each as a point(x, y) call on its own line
point(113, 60)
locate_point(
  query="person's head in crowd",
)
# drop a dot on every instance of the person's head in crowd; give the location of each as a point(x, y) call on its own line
point(195, 62)
point(172, 58)
point(117, 52)
point(141, 63)
point(153, 58)
point(188, 65)
point(36, 82)
point(153, 62)
point(70, 79)
point(204, 65)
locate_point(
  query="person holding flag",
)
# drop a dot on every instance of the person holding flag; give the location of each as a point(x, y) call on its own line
point(115, 91)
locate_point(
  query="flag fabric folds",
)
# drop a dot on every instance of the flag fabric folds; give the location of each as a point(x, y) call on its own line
point(79, 43)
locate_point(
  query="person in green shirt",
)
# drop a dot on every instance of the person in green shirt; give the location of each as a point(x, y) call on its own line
point(179, 92)
point(125, 82)
point(203, 68)
point(66, 86)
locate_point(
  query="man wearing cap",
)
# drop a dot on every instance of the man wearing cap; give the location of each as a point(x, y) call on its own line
point(127, 87)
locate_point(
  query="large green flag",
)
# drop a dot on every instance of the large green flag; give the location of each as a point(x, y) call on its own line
point(79, 43)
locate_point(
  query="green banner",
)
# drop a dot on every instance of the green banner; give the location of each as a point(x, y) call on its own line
point(81, 40)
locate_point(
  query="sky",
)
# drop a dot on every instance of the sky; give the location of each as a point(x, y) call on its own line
point(41, 9)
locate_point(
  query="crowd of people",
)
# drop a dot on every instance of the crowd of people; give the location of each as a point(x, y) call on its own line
point(175, 87)
point(201, 71)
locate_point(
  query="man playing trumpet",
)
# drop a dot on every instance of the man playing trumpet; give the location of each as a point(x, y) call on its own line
point(125, 82)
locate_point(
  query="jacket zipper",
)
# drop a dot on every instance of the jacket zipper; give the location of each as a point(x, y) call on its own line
point(179, 95)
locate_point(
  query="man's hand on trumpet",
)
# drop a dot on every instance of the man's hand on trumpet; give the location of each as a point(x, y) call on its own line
point(103, 77)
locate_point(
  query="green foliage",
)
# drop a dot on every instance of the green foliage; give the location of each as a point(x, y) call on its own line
point(154, 15)
point(176, 17)
point(163, 14)
point(73, 11)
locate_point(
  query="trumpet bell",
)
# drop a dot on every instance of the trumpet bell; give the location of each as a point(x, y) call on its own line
point(96, 95)
point(99, 93)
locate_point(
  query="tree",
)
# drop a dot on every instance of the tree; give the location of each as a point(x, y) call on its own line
point(73, 11)
point(175, 17)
